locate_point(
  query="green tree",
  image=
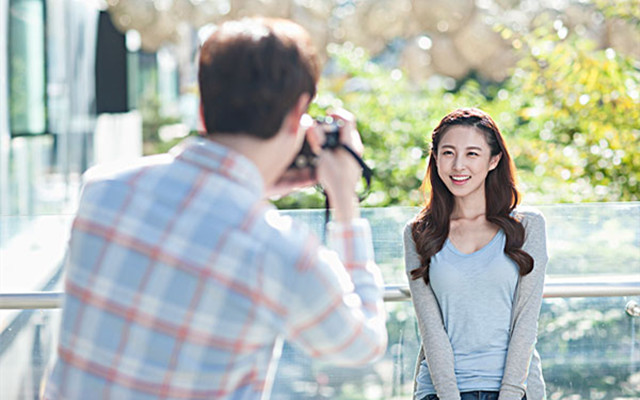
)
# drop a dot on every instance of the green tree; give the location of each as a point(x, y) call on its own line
point(579, 111)
point(570, 114)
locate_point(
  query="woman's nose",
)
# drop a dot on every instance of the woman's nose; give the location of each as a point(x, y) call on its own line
point(458, 163)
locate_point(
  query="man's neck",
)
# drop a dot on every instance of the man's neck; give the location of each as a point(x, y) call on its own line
point(259, 151)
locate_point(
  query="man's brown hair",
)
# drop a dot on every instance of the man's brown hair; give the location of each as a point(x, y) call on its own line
point(252, 72)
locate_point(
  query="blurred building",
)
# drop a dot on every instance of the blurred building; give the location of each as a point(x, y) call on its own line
point(69, 88)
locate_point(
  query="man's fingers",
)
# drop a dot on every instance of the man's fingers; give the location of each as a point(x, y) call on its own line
point(348, 133)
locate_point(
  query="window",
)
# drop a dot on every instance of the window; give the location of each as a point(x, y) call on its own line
point(27, 110)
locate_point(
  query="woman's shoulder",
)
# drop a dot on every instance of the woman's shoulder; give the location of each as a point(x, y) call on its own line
point(529, 216)
point(535, 232)
point(407, 231)
point(535, 241)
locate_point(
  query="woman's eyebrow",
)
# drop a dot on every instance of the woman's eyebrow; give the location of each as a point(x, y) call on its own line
point(474, 148)
point(450, 146)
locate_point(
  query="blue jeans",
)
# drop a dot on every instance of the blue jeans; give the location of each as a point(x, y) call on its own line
point(475, 395)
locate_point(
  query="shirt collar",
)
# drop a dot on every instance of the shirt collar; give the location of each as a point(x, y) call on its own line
point(218, 159)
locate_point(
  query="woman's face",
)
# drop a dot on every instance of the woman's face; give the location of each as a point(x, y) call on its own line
point(464, 160)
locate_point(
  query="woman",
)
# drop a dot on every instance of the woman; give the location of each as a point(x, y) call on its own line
point(476, 269)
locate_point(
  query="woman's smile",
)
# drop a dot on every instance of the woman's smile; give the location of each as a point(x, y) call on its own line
point(460, 179)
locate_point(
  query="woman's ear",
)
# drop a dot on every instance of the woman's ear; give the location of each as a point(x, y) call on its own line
point(493, 163)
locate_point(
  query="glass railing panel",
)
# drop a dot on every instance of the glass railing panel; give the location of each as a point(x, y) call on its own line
point(299, 377)
point(591, 238)
point(27, 345)
point(590, 347)
point(31, 253)
point(387, 225)
point(31, 250)
point(583, 239)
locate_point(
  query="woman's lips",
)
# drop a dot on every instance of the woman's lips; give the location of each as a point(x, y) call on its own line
point(460, 179)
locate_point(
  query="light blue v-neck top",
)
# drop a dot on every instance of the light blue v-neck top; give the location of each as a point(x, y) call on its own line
point(475, 293)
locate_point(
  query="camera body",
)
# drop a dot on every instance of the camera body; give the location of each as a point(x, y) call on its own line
point(306, 158)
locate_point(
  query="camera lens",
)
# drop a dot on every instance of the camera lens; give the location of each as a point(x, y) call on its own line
point(300, 161)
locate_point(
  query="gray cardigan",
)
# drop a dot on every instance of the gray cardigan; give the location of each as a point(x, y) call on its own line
point(523, 373)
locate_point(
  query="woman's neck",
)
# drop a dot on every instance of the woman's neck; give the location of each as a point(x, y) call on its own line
point(469, 207)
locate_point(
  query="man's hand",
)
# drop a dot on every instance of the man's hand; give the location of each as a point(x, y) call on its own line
point(298, 178)
point(338, 172)
point(291, 180)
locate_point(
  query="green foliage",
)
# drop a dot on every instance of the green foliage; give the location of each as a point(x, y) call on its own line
point(624, 9)
point(395, 118)
point(569, 114)
point(584, 105)
point(152, 120)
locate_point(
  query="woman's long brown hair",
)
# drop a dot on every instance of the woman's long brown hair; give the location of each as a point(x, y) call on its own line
point(431, 227)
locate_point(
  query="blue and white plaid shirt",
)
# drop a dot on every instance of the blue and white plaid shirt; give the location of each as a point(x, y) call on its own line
point(181, 282)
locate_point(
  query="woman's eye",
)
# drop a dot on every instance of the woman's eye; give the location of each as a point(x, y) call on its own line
point(473, 154)
point(447, 153)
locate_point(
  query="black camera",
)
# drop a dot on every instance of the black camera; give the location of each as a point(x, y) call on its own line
point(306, 158)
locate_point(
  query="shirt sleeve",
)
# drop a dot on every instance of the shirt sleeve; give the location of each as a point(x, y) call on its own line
point(435, 342)
point(337, 312)
point(526, 310)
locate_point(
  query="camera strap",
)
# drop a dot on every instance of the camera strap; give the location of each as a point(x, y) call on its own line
point(367, 174)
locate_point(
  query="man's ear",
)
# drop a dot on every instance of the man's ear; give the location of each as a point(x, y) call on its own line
point(292, 120)
point(493, 163)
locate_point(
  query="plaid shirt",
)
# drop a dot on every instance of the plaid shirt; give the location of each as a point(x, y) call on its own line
point(182, 282)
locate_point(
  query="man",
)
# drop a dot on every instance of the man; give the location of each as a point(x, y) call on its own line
point(182, 281)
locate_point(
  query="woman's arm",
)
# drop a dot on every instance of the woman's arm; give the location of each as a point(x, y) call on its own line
point(526, 310)
point(437, 347)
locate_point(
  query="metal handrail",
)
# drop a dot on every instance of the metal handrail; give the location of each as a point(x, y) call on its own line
point(30, 300)
point(608, 286)
point(556, 288)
